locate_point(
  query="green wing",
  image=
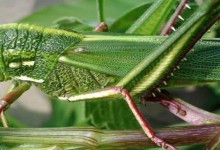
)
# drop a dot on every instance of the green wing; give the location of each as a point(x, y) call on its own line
point(111, 54)
point(203, 63)
point(117, 54)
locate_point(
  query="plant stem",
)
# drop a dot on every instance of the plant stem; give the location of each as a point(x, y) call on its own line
point(91, 138)
point(100, 10)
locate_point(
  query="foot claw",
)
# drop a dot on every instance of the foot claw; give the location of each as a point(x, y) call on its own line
point(162, 143)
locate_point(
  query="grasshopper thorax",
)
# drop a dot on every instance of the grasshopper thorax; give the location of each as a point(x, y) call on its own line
point(30, 52)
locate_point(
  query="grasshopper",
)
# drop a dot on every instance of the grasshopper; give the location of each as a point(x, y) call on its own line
point(76, 66)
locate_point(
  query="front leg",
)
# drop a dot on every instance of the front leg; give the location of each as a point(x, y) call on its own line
point(16, 90)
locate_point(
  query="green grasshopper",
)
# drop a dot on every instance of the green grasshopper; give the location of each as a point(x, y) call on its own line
point(76, 66)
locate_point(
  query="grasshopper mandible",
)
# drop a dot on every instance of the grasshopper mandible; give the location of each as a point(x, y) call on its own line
point(74, 66)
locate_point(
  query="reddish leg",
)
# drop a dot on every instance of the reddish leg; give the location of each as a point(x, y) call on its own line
point(183, 110)
point(143, 123)
point(113, 91)
point(167, 102)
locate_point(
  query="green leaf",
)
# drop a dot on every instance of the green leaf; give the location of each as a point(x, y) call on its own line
point(77, 9)
point(72, 24)
point(66, 114)
point(125, 21)
point(153, 18)
point(13, 122)
point(111, 114)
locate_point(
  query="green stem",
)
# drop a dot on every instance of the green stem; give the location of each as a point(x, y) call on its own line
point(100, 10)
point(91, 138)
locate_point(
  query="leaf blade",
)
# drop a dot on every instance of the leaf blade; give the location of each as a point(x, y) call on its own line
point(152, 19)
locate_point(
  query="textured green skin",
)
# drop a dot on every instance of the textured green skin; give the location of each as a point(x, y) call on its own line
point(66, 80)
point(113, 55)
point(21, 43)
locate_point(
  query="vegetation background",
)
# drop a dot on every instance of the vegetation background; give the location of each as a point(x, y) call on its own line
point(34, 109)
